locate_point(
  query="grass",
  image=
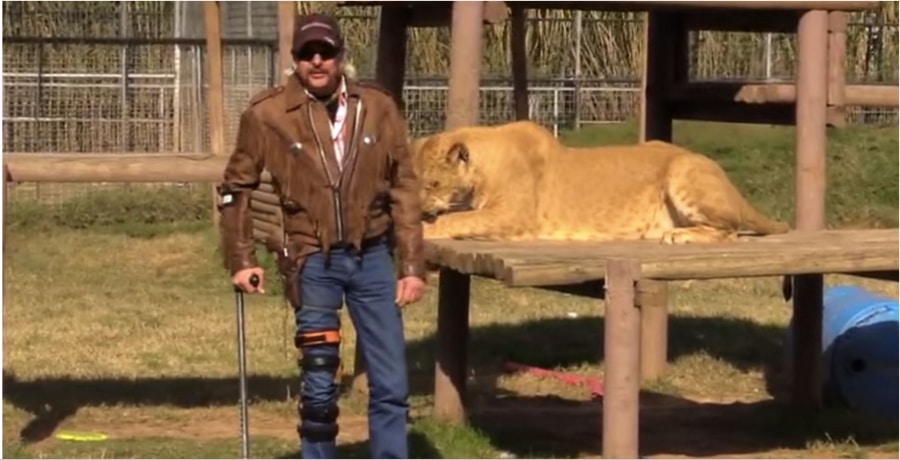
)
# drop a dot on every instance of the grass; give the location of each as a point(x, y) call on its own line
point(123, 322)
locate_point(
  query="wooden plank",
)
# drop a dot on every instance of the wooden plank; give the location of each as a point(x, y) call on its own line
point(875, 257)
point(492, 260)
point(621, 360)
point(114, 168)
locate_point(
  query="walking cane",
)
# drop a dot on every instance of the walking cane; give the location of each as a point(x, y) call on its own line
point(242, 365)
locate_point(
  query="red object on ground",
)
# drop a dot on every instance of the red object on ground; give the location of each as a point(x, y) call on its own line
point(570, 379)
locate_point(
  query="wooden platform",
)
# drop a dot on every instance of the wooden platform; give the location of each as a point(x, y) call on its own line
point(634, 275)
point(547, 263)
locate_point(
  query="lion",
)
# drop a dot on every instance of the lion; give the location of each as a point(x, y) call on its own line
point(516, 181)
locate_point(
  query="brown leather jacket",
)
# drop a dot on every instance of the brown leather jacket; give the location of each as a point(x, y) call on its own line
point(376, 194)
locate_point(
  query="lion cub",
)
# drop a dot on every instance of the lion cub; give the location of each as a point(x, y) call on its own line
point(517, 182)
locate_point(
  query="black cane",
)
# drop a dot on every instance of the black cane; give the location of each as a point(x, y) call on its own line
point(242, 365)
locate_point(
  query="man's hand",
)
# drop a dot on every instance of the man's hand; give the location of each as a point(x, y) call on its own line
point(241, 279)
point(409, 290)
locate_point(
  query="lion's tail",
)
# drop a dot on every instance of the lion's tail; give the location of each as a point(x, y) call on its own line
point(755, 221)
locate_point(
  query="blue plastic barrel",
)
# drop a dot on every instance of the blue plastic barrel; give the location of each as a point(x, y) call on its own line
point(860, 345)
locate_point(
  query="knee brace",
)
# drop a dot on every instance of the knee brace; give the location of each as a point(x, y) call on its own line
point(328, 337)
point(324, 427)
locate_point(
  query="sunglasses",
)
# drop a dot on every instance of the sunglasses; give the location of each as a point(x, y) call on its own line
point(308, 52)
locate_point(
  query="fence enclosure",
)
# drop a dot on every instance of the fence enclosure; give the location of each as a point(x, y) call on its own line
point(129, 77)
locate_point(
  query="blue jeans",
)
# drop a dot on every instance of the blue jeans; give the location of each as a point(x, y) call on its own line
point(367, 282)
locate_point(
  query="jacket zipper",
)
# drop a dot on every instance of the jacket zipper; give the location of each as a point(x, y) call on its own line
point(335, 192)
point(353, 143)
point(336, 186)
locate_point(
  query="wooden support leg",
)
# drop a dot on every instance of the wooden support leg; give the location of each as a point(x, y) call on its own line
point(665, 63)
point(466, 31)
point(390, 69)
point(452, 346)
point(812, 89)
point(653, 298)
point(519, 62)
point(621, 358)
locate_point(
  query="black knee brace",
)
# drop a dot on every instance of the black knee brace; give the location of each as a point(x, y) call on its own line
point(325, 427)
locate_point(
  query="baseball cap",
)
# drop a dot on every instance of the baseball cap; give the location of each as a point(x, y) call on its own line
point(316, 27)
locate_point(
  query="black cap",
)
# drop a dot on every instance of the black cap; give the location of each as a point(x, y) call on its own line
point(316, 27)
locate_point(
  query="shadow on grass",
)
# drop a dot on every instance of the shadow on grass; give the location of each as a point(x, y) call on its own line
point(542, 427)
point(523, 425)
point(52, 400)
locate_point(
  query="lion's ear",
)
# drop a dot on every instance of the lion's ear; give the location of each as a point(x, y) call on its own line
point(458, 153)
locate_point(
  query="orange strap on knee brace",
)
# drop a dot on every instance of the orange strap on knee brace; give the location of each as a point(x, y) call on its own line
point(310, 338)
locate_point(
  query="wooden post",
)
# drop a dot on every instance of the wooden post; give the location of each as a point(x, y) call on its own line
point(812, 90)
point(215, 99)
point(837, 80)
point(390, 63)
point(653, 299)
point(452, 346)
point(465, 64)
point(665, 65)
point(519, 62)
point(453, 288)
point(287, 14)
point(621, 360)
point(5, 200)
point(390, 69)
point(657, 76)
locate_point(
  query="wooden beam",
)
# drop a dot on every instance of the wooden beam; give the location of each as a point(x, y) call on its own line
point(812, 93)
point(775, 21)
point(734, 112)
point(465, 64)
point(215, 95)
point(452, 346)
point(519, 53)
point(114, 168)
point(746, 92)
point(437, 14)
point(621, 360)
point(798, 261)
point(287, 13)
point(837, 79)
point(686, 5)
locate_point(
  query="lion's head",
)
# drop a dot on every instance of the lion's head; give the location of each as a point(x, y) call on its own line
point(445, 169)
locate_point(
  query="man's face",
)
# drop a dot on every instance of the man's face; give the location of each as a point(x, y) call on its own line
point(318, 67)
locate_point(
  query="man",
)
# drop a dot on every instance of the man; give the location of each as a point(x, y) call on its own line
point(337, 152)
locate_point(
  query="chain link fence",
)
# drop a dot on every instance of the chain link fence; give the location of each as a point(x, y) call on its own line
point(130, 77)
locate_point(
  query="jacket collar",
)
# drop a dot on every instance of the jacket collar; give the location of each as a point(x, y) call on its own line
point(296, 95)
